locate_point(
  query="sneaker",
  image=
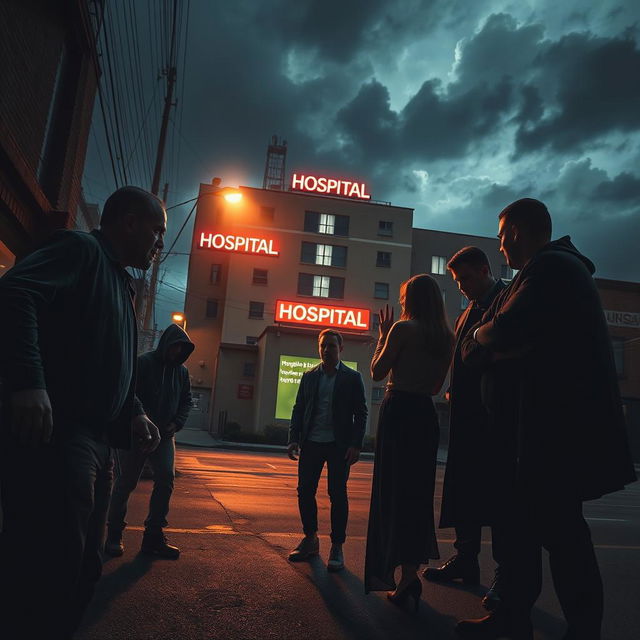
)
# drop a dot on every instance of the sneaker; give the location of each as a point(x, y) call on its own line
point(336, 559)
point(113, 545)
point(156, 544)
point(308, 547)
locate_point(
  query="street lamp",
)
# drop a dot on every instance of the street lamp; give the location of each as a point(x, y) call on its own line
point(180, 319)
point(231, 195)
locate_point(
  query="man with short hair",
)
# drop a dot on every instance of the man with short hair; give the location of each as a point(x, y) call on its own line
point(327, 425)
point(68, 364)
point(569, 441)
point(465, 498)
point(164, 390)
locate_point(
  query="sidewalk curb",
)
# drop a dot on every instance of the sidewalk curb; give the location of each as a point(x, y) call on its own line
point(249, 446)
point(270, 448)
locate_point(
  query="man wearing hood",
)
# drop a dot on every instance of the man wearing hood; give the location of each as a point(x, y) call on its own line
point(164, 390)
point(564, 432)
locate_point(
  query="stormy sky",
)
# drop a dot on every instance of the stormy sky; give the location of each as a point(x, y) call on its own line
point(452, 107)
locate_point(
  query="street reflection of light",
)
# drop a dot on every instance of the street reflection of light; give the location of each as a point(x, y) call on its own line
point(233, 198)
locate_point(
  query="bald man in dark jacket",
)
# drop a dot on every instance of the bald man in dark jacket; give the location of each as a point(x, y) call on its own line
point(568, 435)
point(68, 361)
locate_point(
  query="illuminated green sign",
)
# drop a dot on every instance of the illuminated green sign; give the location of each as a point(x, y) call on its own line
point(289, 374)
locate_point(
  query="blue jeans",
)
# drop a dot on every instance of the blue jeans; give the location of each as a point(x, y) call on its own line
point(131, 464)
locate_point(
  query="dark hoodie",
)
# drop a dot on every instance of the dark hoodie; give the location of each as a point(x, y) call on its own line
point(561, 399)
point(163, 387)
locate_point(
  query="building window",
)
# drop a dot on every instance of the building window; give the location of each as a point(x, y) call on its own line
point(375, 321)
point(249, 370)
point(214, 276)
point(212, 308)
point(320, 286)
point(323, 254)
point(267, 213)
point(256, 310)
point(618, 355)
point(260, 276)
point(464, 302)
point(385, 228)
point(327, 223)
point(381, 290)
point(438, 265)
point(251, 340)
point(383, 259)
point(377, 395)
point(506, 272)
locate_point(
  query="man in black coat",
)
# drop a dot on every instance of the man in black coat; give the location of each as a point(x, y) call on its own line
point(328, 423)
point(69, 366)
point(164, 389)
point(464, 496)
point(568, 440)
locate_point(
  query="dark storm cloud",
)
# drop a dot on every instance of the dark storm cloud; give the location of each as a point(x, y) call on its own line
point(597, 92)
point(340, 31)
point(370, 123)
point(624, 188)
point(562, 95)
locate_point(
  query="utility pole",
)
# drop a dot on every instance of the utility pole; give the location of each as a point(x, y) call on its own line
point(155, 185)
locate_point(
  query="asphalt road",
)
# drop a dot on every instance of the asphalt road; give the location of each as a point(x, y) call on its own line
point(234, 515)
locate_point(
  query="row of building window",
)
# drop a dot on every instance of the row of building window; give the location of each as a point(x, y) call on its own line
point(308, 285)
point(327, 223)
point(338, 225)
point(439, 268)
point(312, 253)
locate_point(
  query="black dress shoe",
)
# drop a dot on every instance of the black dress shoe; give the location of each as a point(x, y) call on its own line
point(156, 544)
point(495, 626)
point(456, 568)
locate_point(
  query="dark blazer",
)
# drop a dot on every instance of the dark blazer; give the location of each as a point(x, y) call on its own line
point(463, 494)
point(349, 407)
point(570, 433)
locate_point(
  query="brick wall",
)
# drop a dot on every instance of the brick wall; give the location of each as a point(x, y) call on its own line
point(47, 90)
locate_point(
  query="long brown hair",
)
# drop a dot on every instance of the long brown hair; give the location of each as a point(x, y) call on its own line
point(421, 300)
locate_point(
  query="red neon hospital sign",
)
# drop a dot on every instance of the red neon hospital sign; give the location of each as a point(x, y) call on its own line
point(237, 244)
point(330, 186)
point(322, 315)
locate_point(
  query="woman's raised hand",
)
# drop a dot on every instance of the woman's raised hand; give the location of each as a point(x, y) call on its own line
point(386, 320)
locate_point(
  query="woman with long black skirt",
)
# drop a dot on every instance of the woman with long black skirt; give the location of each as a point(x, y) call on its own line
point(415, 352)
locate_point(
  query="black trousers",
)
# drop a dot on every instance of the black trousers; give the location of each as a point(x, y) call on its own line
point(469, 538)
point(559, 527)
point(54, 500)
point(313, 456)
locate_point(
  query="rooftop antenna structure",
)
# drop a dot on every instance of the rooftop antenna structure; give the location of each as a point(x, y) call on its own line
point(275, 165)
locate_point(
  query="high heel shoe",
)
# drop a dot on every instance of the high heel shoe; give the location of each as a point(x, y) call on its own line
point(412, 590)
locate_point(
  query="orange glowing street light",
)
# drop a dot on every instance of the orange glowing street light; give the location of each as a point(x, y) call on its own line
point(180, 319)
point(233, 197)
